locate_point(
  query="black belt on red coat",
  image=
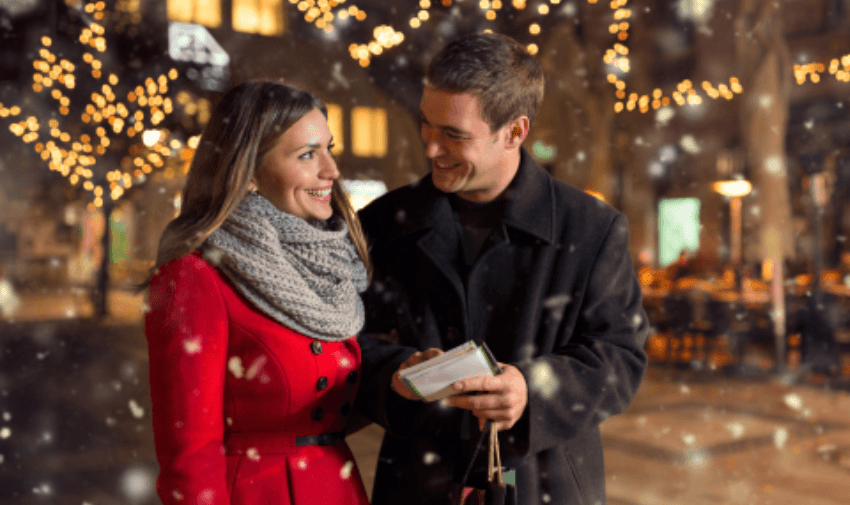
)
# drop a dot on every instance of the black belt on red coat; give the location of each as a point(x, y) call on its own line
point(270, 442)
point(329, 438)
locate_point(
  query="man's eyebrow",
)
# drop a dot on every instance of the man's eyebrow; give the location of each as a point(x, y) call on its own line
point(450, 129)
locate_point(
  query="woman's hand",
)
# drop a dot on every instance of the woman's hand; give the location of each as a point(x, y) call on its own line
point(398, 385)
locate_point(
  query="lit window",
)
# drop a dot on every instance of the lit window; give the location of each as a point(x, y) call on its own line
point(335, 125)
point(258, 16)
point(202, 12)
point(369, 132)
point(678, 228)
point(362, 192)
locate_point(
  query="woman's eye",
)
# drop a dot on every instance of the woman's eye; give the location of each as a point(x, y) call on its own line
point(306, 156)
point(331, 147)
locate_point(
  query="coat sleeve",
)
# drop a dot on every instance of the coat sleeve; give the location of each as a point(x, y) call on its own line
point(380, 353)
point(187, 331)
point(594, 373)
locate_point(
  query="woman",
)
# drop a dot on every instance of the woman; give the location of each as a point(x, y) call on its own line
point(253, 308)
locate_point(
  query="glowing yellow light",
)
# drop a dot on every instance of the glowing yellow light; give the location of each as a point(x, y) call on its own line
point(534, 29)
point(532, 49)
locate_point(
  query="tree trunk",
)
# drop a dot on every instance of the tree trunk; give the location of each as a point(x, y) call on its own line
point(765, 66)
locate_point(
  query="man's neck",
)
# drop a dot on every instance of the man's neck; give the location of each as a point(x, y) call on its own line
point(509, 169)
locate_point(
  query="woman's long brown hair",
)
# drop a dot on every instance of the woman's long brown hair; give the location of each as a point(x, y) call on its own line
point(245, 124)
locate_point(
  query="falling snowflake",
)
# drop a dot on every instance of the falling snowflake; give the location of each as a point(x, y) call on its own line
point(543, 380)
point(775, 165)
point(253, 454)
point(43, 489)
point(136, 409)
point(234, 364)
point(192, 345)
point(735, 429)
point(689, 144)
point(430, 458)
point(5, 433)
point(793, 401)
point(255, 367)
point(696, 458)
point(138, 484)
point(206, 497)
point(664, 115)
point(780, 437)
point(345, 471)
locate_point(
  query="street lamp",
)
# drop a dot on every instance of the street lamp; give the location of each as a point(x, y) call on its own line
point(734, 190)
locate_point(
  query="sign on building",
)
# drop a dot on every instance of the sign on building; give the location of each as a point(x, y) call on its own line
point(209, 63)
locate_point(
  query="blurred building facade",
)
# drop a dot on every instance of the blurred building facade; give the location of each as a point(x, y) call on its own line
point(637, 159)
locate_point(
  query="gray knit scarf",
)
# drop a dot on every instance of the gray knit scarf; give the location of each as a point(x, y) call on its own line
point(305, 276)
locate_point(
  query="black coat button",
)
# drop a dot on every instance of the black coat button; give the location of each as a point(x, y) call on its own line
point(346, 409)
point(316, 347)
point(318, 414)
point(322, 384)
point(352, 377)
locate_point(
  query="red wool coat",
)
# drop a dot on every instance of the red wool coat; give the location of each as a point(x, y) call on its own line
point(231, 391)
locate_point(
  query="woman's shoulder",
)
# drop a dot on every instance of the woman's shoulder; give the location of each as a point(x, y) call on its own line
point(192, 264)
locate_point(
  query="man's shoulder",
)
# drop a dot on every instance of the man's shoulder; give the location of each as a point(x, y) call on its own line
point(395, 206)
point(574, 203)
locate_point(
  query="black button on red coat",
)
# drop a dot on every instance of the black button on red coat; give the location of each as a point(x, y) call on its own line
point(322, 384)
point(318, 414)
point(352, 377)
point(316, 347)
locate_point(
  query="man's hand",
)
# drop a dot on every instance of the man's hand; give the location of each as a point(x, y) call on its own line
point(502, 398)
point(398, 385)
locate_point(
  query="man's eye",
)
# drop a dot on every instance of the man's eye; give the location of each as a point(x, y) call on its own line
point(454, 136)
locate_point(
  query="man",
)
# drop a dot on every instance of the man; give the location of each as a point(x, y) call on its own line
point(490, 247)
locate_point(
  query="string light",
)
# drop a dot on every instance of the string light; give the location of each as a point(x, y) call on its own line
point(838, 68)
point(106, 113)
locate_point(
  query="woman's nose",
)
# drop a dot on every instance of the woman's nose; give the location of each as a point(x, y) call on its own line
point(329, 169)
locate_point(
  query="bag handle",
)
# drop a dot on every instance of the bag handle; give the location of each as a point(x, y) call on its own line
point(494, 464)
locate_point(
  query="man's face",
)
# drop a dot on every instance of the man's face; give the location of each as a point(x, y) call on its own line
point(466, 157)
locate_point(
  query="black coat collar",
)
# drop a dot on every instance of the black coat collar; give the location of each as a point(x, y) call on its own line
point(530, 207)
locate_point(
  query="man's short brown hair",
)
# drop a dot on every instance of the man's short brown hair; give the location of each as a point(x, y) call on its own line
point(496, 69)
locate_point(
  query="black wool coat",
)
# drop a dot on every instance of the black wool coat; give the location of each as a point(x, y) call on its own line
point(553, 292)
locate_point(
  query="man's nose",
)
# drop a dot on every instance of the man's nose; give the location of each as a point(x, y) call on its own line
point(431, 138)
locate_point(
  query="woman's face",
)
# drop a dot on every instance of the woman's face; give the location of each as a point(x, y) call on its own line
point(297, 173)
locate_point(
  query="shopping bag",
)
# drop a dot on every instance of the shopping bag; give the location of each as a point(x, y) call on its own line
point(495, 491)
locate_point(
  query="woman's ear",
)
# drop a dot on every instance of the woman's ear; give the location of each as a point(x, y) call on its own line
point(517, 132)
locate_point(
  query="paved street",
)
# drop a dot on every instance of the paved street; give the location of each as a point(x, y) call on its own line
point(75, 425)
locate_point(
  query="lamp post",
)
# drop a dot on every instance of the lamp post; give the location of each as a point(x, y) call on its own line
point(735, 190)
point(818, 338)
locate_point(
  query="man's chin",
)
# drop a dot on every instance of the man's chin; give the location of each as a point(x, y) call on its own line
point(444, 184)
